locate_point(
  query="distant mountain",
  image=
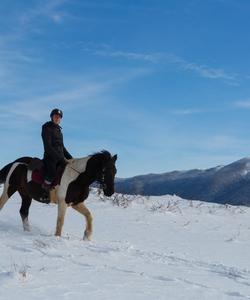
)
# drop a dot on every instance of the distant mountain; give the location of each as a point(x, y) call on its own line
point(223, 184)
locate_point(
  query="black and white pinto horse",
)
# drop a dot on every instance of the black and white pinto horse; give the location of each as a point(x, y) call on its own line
point(72, 190)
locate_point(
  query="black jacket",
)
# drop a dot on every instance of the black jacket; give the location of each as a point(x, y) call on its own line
point(53, 142)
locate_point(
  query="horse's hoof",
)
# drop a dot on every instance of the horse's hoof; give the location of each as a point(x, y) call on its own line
point(87, 236)
point(27, 228)
point(26, 225)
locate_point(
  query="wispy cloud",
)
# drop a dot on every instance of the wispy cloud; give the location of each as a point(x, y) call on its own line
point(48, 9)
point(242, 103)
point(57, 18)
point(31, 19)
point(15, 58)
point(164, 58)
point(211, 73)
point(106, 51)
point(80, 93)
point(14, 64)
point(153, 57)
point(88, 100)
point(187, 111)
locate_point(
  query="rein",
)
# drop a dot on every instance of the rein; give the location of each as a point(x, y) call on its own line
point(101, 180)
point(74, 170)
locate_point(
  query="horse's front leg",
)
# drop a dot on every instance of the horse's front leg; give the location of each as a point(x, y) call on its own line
point(62, 207)
point(24, 210)
point(82, 209)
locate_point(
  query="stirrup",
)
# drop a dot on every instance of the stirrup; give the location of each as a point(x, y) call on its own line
point(46, 185)
point(44, 199)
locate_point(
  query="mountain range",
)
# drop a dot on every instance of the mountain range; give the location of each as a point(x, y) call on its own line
point(222, 184)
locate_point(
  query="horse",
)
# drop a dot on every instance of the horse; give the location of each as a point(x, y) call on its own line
point(71, 190)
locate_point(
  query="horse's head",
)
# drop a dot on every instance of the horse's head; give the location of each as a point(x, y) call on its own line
point(108, 176)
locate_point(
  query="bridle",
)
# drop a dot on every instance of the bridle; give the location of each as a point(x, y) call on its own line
point(101, 180)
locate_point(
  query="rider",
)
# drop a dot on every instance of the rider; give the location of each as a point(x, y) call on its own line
point(55, 153)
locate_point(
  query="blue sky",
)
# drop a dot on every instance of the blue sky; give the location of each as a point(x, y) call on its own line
point(165, 84)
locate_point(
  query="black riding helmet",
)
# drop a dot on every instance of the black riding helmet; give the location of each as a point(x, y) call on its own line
point(56, 111)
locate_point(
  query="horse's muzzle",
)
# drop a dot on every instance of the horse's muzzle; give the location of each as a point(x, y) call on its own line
point(108, 193)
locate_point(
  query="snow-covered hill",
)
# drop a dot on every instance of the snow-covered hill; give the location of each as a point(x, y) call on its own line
point(222, 184)
point(142, 248)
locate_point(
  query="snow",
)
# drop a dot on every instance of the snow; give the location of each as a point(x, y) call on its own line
point(142, 248)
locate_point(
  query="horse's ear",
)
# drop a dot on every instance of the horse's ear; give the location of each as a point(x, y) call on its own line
point(114, 158)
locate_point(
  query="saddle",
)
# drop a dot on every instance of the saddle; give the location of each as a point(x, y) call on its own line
point(37, 167)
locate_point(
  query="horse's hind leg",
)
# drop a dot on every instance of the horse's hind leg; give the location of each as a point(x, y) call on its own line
point(4, 197)
point(82, 209)
point(10, 186)
point(8, 191)
point(24, 211)
point(62, 207)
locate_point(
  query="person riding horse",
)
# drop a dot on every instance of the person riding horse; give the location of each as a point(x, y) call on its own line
point(55, 154)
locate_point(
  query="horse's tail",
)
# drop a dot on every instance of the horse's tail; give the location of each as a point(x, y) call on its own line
point(5, 170)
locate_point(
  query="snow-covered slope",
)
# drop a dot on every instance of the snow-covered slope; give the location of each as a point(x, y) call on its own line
point(222, 184)
point(142, 248)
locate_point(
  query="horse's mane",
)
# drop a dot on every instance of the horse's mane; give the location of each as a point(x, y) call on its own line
point(104, 154)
